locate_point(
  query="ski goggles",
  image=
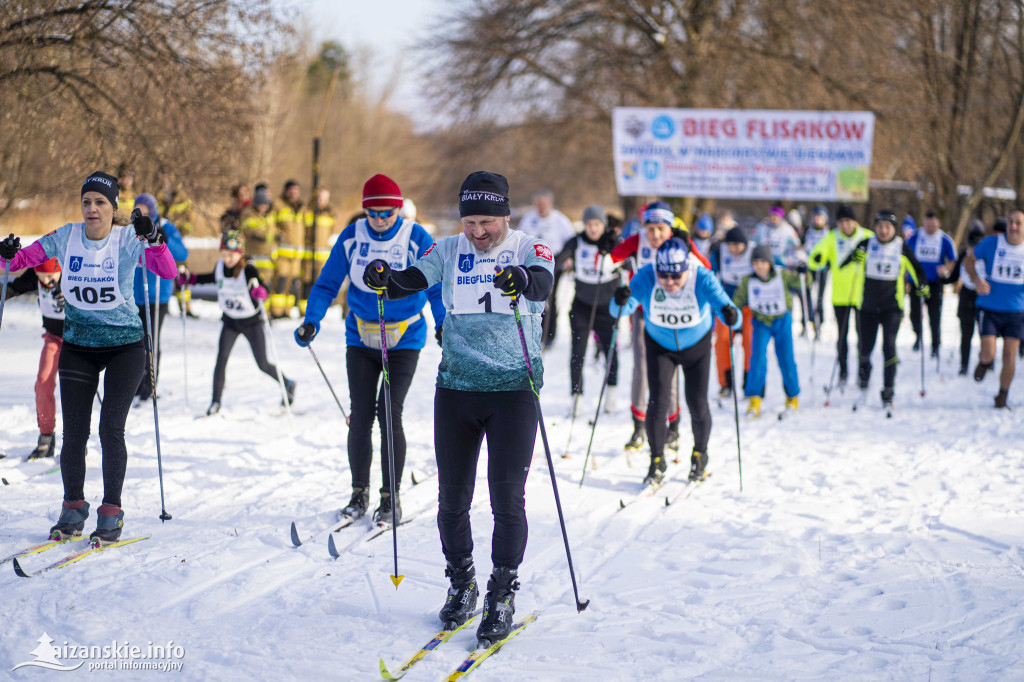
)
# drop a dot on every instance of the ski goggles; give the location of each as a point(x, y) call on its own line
point(381, 215)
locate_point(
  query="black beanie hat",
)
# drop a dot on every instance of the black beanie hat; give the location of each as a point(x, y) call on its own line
point(736, 235)
point(484, 193)
point(845, 211)
point(104, 184)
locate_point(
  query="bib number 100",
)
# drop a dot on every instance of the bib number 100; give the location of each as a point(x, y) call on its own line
point(92, 296)
point(672, 318)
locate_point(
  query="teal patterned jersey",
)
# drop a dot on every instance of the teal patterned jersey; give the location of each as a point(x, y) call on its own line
point(481, 349)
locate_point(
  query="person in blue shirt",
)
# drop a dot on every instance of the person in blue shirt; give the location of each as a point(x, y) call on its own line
point(996, 266)
point(936, 253)
point(146, 203)
point(679, 303)
point(383, 234)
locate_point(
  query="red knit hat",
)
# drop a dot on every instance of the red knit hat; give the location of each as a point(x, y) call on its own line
point(52, 265)
point(380, 190)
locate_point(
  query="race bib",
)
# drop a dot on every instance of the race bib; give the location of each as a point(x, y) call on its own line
point(767, 298)
point(590, 267)
point(90, 277)
point(394, 251)
point(732, 268)
point(233, 294)
point(473, 288)
point(675, 311)
point(48, 304)
point(1008, 263)
point(928, 247)
point(884, 259)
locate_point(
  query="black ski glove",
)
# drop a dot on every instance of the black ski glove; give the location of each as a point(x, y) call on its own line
point(512, 280)
point(377, 275)
point(730, 316)
point(305, 334)
point(144, 227)
point(9, 247)
point(800, 268)
point(437, 335)
point(622, 295)
point(606, 242)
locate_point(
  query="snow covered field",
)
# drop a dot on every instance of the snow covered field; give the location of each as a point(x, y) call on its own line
point(860, 548)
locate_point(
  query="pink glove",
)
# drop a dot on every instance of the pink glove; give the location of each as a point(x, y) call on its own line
point(185, 279)
point(259, 293)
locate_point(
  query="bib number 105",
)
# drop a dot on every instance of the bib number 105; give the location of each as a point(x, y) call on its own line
point(92, 296)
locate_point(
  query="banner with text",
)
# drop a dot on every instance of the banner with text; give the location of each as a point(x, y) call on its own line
point(743, 154)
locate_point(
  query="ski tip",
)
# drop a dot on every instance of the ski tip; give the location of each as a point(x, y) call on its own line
point(331, 548)
point(582, 606)
point(5, 481)
point(667, 503)
point(295, 536)
point(385, 673)
point(622, 505)
point(566, 456)
point(19, 570)
point(397, 579)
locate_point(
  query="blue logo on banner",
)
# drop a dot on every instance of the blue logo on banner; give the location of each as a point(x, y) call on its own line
point(662, 127)
point(652, 169)
point(364, 249)
point(466, 262)
point(76, 263)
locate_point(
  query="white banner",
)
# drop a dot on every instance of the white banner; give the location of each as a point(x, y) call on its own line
point(743, 154)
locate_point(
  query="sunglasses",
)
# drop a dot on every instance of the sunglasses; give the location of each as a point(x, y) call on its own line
point(673, 276)
point(381, 215)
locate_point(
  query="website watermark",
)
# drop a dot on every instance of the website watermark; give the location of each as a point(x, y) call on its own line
point(118, 655)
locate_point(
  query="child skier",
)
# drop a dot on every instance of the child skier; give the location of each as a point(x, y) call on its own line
point(239, 292)
point(767, 293)
point(586, 254)
point(730, 260)
point(45, 280)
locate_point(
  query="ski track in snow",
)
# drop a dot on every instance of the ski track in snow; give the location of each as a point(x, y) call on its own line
point(861, 548)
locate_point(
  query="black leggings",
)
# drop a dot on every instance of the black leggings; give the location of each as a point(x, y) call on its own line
point(159, 312)
point(252, 329)
point(870, 321)
point(661, 369)
point(819, 278)
point(842, 346)
point(79, 368)
point(365, 367)
point(934, 305)
point(604, 323)
point(968, 315)
point(461, 420)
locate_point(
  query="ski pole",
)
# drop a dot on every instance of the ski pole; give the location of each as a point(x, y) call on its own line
point(600, 397)
point(156, 334)
point(331, 388)
point(164, 516)
point(583, 358)
point(3, 292)
point(395, 577)
point(735, 408)
point(184, 339)
point(514, 302)
point(920, 308)
point(277, 365)
point(803, 314)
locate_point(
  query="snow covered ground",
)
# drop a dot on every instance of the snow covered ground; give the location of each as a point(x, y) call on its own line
point(860, 548)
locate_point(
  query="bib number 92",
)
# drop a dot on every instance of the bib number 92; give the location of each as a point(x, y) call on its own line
point(91, 295)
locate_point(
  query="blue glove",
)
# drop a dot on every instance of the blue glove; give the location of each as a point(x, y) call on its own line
point(305, 334)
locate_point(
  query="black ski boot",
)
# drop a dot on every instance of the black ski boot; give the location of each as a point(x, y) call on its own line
point(887, 394)
point(655, 472)
point(213, 409)
point(289, 389)
point(109, 521)
point(357, 505)
point(71, 520)
point(636, 441)
point(698, 462)
point(499, 607)
point(44, 448)
point(382, 514)
point(672, 437)
point(462, 595)
point(1001, 399)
